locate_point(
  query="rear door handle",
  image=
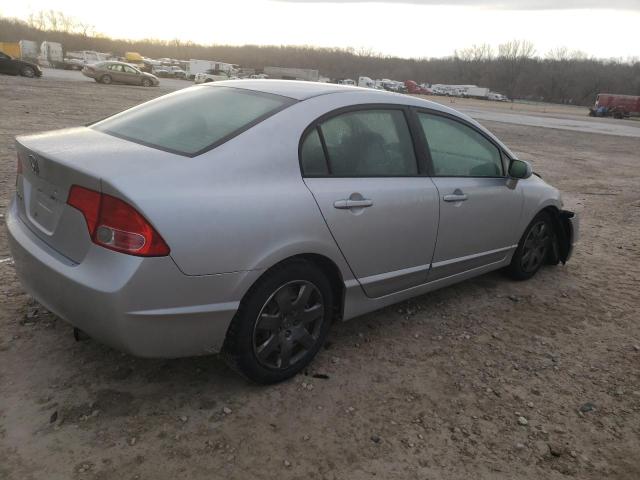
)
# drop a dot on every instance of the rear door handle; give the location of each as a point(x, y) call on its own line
point(346, 204)
point(455, 197)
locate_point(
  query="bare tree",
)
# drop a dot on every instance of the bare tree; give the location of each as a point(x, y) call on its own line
point(512, 57)
point(561, 75)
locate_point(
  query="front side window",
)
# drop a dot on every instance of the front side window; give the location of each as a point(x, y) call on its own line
point(457, 150)
point(363, 143)
point(193, 120)
point(128, 69)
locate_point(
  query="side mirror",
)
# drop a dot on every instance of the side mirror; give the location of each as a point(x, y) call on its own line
point(520, 169)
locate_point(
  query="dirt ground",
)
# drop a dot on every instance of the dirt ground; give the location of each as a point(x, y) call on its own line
point(433, 388)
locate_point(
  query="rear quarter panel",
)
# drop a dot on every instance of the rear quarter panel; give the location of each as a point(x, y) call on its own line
point(241, 206)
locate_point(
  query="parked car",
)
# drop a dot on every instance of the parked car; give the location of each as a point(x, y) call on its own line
point(119, 72)
point(497, 97)
point(210, 76)
point(245, 216)
point(177, 72)
point(13, 66)
point(413, 88)
point(160, 71)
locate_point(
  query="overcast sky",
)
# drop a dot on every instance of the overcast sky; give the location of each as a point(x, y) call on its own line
point(408, 28)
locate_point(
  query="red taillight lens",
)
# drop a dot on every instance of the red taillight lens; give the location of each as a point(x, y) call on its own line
point(88, 202)
point(116, 225)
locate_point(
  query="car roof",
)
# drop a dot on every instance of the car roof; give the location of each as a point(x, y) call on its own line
point(302, 90)
point(118, 62)
point(296, 89)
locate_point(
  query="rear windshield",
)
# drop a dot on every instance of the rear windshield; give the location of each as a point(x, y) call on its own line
point(194, 120)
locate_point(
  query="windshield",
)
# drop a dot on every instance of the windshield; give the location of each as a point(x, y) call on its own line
point(191, 121)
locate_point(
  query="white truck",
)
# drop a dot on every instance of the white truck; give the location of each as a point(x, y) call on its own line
point(476, 92)
point(497, 97)
point(51, 55)
point(28, 50)
point(195, 67)
point(210, 76)
point(77, 60)
point(366, 82)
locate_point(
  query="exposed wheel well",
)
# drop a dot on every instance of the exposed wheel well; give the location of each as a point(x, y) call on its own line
point(554, 251)
point(328, 267)
point(332, 272)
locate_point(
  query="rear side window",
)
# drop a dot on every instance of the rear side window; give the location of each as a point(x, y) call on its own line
point(312, 155)
point(194, 120)
point(458, 150)
point(362, 143)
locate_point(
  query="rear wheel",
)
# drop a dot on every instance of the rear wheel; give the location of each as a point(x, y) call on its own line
point(28, 72)
point(281, 324)
point(533, 249)
point(106, 79)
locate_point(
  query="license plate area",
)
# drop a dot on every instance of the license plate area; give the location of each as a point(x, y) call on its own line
point(44, 205)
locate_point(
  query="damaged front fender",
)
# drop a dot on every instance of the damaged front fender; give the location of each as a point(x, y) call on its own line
point(567, 229)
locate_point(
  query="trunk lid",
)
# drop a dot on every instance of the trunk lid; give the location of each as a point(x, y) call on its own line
point(53, 162)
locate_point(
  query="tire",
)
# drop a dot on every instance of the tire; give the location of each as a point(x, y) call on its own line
point(28, 72)
point(533, 249)
point(208, 80)
point(281, 323)
point(106, 79)
point(146, 82)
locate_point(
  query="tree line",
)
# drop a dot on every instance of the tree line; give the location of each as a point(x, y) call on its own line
point(513, 68)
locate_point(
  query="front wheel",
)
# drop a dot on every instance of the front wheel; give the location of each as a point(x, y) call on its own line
point(106, 79)
point(146, 82)
point(28, 72)
point(281, 324)
point(533, 248)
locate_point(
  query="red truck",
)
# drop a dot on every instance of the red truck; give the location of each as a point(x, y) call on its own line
point(617, 106)
point(413, 87)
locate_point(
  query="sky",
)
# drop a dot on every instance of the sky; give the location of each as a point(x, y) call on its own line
point(406, 28)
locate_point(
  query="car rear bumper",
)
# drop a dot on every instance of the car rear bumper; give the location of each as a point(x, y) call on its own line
point(143, 306)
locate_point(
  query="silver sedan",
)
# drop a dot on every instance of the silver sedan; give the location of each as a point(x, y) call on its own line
point(243, 217)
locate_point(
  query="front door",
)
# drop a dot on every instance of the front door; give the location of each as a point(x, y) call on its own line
point(361, 168)
point(130, 75)
point(479, 204)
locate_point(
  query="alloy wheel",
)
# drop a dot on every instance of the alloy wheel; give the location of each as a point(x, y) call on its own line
point(536, 246)
point(288, 325)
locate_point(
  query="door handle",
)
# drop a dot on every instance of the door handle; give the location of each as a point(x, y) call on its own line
point(455, 197)
point(346, 204)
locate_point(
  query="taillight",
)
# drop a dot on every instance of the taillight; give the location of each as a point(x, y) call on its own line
point(116, 225)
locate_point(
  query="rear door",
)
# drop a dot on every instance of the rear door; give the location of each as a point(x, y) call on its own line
point(480, 207)
point(381, 209)
point(115, 70)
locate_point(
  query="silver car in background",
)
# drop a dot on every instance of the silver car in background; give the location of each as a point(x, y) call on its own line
point(243, 217)
point(119, 72)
